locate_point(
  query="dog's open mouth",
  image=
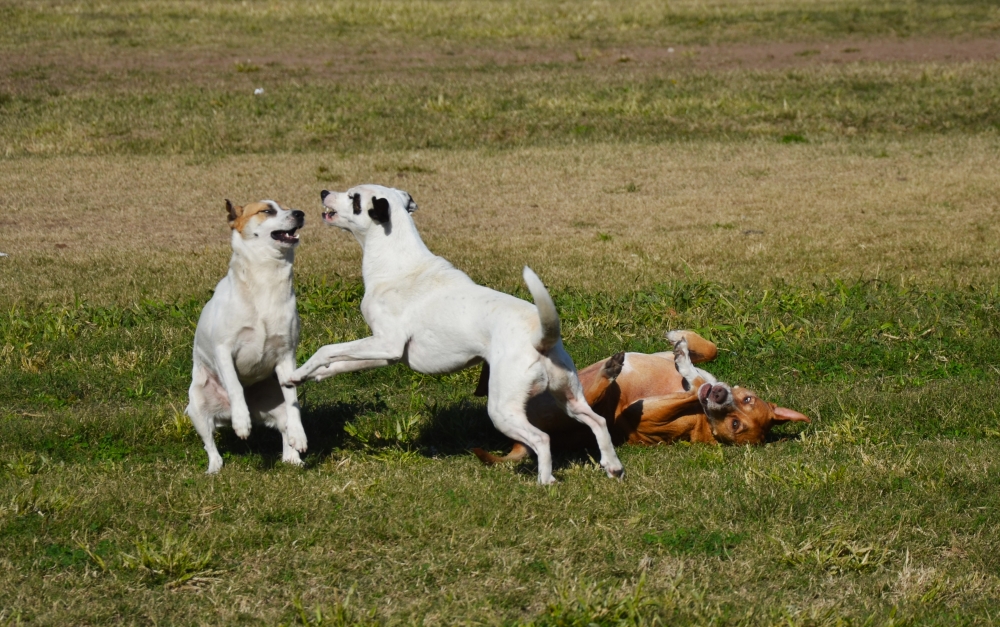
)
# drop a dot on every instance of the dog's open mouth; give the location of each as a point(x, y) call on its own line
point(288, 237)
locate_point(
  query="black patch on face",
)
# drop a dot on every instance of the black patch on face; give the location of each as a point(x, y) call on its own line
point(356, 203)
point(380, 210)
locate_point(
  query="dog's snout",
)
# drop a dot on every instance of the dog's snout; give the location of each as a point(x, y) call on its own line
point(323, 194)
point(299, 215)
point(719, 395)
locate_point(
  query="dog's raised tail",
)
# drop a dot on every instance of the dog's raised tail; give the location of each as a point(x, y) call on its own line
point(548, 334)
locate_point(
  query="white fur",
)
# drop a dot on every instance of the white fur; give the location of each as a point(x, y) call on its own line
point(682, 360)
point(427, 314)
point(244, 345)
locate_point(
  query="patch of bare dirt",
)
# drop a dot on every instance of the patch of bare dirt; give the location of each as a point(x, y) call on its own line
point(322, 61)
point(785, 55)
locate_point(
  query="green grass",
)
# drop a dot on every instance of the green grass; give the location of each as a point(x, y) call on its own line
point(489, 106)
point(890, 488)
point(827, 221)
point(178, 24)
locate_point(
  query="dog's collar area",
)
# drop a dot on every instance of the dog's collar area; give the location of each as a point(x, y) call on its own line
point(287, 237)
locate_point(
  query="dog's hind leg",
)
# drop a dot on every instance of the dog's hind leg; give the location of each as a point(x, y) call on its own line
point(700, 350)
point(203, 404)
point(597, 381)
point(510, 388)
point(266, 401)
point(564, 384)
point(578, 409)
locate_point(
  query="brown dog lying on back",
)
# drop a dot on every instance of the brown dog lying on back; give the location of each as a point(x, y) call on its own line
point(649, 399)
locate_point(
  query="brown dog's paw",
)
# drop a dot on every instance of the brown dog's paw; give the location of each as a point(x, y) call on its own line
point(613, 366)
point(681, 351)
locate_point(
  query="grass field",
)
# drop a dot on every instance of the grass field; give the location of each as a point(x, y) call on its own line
point(812, 185)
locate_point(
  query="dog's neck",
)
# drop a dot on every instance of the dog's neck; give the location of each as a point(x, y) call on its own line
point(264, 270)
point(393, 251)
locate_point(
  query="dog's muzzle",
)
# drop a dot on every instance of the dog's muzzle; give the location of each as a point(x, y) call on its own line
point(715, 399)
point(289, 236)
point(286, 237)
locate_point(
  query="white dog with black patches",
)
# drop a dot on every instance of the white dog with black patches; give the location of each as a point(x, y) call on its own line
point(244, 346)
point(427, 314)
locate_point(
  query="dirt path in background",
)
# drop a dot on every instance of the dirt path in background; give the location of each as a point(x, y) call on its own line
point(319, 61)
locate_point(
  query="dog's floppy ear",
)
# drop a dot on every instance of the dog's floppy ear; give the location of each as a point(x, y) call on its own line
point(783, 415)
point(356, 203)
point(411, 205)
point(380, 210)
point(234, 211)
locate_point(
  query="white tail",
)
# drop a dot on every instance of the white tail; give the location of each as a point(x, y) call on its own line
point(547, 314)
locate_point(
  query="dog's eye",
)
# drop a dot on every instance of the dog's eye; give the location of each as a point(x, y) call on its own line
point(748, 400)
point(269, 212)
point(736, 425)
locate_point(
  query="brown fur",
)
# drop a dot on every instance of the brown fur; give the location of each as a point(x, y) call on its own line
point(239, 216)
point(647, 403)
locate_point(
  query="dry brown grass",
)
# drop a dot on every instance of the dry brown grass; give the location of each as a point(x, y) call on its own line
point(609, 218)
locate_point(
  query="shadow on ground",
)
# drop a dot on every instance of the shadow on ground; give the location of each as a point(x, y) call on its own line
point(452, 431)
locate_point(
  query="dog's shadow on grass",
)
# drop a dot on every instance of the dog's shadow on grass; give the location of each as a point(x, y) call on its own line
point(453, 430)
point(324, 426)
point(456, 429)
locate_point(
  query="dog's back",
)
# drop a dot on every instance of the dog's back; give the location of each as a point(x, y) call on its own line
point(432, 317)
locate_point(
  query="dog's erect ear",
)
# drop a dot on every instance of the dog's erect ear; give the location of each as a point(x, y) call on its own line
point(356, 203)
point(411, 205)
point(234, 211)
point(783, 415)
point(380, 210)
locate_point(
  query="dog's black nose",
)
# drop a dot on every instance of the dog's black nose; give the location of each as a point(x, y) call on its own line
point(298, 215)
point(719, 394)
point(323, 194)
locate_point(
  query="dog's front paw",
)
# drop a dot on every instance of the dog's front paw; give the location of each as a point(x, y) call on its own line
point(676, 337)
point(297, 438)
point(321, 374)
point(681, 350)
point(291, 457)
point(241, 425)
point(298, 378)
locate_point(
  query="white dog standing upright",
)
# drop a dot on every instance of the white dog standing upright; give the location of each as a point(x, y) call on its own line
point(244, 346)
point(427, 314)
